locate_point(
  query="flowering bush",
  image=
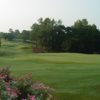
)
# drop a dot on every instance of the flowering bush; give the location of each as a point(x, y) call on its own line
point(22, 88)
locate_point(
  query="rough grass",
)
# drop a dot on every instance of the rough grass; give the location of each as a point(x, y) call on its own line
point(73, 76)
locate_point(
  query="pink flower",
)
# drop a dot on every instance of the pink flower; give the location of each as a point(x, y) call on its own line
point(8, 89)
point(32, 97)
point(14, 93)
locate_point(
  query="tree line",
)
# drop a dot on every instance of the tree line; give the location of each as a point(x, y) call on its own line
point(52, 35)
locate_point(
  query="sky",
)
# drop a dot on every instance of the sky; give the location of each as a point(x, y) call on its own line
point(21, 14)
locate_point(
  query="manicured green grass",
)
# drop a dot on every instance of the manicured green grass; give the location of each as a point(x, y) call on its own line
point(73, 76)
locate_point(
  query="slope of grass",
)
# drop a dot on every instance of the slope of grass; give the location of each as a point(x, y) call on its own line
point(73, 76)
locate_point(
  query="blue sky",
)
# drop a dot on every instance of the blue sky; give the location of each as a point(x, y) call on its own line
point(21, 14)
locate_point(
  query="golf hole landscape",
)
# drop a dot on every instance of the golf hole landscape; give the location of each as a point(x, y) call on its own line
point(49, 49)
point(73, 76)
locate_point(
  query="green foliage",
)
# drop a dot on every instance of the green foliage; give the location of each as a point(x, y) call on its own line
point(53, 36)
point(11, 35)
point(25, 35)
point(41, 30)
point(49, 34)
point(83, 38)
point(80, 23)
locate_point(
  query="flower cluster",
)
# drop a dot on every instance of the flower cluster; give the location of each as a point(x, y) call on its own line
point(23, 88)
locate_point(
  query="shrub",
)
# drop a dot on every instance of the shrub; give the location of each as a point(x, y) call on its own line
point(23, 88)
point(39, 50)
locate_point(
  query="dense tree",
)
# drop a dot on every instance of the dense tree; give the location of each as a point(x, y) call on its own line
point(84, 38)
point(10, 35)
point(25, 35)
point(16, 33)
point(52, 35)
point(41, 30)
point(48, 33)
point(80, 23)
point(55, 37)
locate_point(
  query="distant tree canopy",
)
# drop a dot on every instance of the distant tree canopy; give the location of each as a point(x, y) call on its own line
point(52, 35)
point(47, 34)
point(11, 35)
point(25, 35)
point(84, 37)
point(55, 37)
